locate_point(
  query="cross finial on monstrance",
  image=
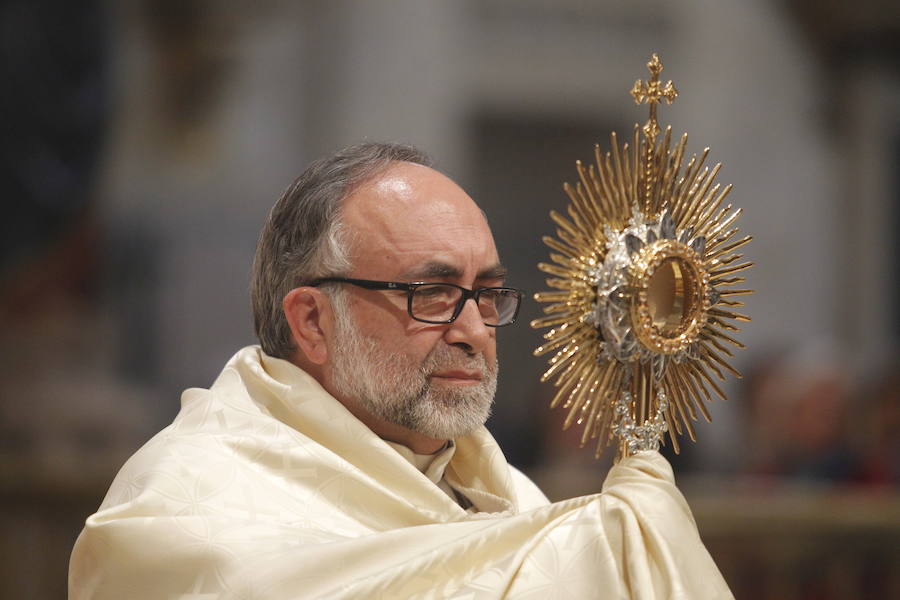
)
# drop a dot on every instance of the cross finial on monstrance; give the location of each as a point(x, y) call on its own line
point(651, 93)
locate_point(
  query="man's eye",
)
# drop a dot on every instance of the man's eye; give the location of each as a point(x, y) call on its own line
point(436, 293)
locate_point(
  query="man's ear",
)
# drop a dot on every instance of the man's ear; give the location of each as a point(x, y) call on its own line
point(308, 313)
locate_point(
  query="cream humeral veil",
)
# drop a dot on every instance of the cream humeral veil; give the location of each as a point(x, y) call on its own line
point(265, 486)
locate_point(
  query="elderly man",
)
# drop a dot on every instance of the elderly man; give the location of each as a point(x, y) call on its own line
point(347, 457)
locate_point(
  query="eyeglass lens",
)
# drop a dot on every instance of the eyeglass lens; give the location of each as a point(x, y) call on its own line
point(437, 302)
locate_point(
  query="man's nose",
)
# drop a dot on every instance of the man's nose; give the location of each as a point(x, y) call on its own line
point(469, 329)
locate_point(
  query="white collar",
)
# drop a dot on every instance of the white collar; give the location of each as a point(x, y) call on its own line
point(430, 465)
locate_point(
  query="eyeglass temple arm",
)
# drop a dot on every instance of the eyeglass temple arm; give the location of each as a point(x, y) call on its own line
point(364, 283)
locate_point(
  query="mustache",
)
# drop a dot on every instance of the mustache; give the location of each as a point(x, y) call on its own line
point(445, 357)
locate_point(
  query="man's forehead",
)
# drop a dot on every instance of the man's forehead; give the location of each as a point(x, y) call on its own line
point(420, 222)
point(410, 187)
point(397, 181)
point(436, 269)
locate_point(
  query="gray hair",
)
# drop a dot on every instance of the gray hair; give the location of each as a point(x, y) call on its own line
point(304, 239)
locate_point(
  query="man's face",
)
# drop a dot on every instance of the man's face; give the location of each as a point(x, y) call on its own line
point(398, 388)
point(413, 224)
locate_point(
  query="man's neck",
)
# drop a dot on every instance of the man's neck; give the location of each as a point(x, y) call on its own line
point(415, 441)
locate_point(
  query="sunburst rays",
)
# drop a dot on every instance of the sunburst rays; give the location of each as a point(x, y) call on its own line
point(640, 209)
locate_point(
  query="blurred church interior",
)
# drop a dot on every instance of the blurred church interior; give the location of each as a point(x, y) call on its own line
point(146, 140)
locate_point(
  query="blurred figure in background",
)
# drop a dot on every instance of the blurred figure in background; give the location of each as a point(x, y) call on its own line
point(797, 427)
point(876, 431)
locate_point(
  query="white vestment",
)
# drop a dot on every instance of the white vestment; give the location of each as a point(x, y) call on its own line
point(265, 486)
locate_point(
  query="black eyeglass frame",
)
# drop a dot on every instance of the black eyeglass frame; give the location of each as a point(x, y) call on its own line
point(409, 288)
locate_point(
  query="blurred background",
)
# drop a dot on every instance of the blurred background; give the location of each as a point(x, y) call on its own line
point(146, 140)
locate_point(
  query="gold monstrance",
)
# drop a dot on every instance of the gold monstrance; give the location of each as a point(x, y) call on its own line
point(644, 273)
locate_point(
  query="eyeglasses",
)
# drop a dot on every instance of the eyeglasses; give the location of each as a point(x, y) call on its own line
point(441, 303)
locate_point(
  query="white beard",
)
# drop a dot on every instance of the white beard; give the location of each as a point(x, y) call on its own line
point(396, 389)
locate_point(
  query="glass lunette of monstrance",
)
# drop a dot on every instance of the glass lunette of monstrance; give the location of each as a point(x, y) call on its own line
point(645, 279)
